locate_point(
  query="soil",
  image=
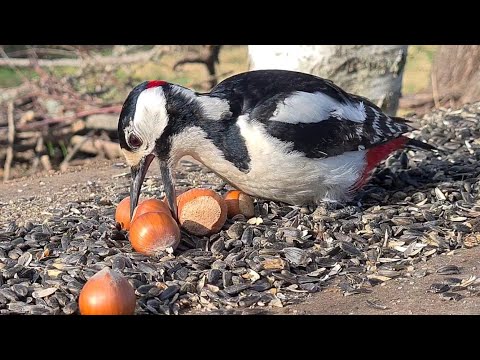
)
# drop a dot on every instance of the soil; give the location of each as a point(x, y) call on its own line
point(406, 296)
point(397, 296)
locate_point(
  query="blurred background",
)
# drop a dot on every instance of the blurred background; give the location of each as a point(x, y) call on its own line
point(59, 105)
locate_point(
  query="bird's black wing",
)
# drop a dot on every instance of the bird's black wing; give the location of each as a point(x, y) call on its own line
point(249, 90)
point(336, 134)
point(313, 114)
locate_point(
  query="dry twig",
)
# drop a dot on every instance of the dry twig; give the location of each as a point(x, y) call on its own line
point(435, 90)
point(11, 140)
point(74, 150)
point(110, 149)
point(69, 119)
point(100, 60)
point(207, 56)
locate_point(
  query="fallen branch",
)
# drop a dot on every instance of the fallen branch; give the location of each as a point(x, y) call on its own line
point(97, 146)
point(417, 100)
point(100, 60)
point(11, 140)
point(68, 119)
point(42, 51)
point(14, 93)
point(28, 139)
point(426, 99)
point(102, 122)
point(74, 150)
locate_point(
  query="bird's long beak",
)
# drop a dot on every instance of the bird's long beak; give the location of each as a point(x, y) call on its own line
point(138, 175)
point(169, 187)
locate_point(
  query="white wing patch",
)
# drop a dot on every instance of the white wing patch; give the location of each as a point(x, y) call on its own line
point(352, 112)
point(213, 108)
point(303, 107)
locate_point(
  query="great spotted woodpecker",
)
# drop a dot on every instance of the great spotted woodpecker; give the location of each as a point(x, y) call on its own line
point(274, 134)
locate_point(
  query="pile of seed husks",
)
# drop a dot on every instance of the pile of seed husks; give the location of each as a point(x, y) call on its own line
point(419, 206)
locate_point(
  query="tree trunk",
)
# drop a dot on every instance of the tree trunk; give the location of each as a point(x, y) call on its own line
point(456, 74)
point(372, 71)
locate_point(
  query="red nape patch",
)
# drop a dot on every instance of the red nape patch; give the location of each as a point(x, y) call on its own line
point(155, 83)
point(376, 155)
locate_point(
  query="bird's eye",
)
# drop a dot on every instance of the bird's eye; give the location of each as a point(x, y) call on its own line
point(134, 141)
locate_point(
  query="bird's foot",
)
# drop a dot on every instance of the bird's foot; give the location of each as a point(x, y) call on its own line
point(336, 210)
point(325, 208)
point(220, 186)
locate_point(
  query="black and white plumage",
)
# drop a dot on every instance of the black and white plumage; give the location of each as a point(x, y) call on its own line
point(274, 134)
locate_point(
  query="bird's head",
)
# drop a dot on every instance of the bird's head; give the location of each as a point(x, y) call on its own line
point(144, 130)
point(162, 120)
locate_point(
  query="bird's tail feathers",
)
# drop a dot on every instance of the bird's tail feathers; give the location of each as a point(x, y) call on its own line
point(419, 144)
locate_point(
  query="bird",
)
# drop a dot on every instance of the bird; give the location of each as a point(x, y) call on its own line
point(280, 135)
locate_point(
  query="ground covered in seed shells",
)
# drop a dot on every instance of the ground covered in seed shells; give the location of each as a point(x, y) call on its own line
point(420, 209)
